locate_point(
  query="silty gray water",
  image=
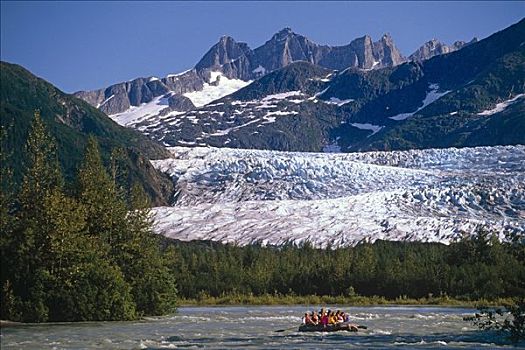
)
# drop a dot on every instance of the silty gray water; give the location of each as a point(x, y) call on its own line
point(255, 328)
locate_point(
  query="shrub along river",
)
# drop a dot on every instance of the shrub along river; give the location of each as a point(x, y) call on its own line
point(254, 327)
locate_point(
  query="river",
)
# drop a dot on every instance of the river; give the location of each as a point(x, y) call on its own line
point(254, 327)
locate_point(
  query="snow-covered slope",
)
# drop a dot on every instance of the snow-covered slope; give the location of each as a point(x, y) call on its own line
point(137, 114)
point(246, 196)
point(218, 87)
point(500, 107)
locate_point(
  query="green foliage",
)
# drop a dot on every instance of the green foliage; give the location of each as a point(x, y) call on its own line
point(98, 192)
point(78, 258)
point(510, 320)
point(153, 285)
point(473, 268)
point(69, 121)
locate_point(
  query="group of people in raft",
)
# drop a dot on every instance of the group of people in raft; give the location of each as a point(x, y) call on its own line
point(326, 318)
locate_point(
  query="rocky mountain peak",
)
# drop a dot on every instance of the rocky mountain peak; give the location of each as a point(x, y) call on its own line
point(387, 38)
point(283, 33)
point(225, 39)
point(224, 51)
point(435, 47)
point(386, 53)
point(235, 60)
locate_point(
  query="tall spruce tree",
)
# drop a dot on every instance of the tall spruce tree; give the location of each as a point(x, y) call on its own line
point(7, 223)
point(142, 261)
point(31, 237)
point(98, 192)
point(126, 233)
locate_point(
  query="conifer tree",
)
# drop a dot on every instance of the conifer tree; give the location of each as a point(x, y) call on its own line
point(32, 237)
point(8, 300)
point(105, 207)
point(142, 261)
point(56, 272)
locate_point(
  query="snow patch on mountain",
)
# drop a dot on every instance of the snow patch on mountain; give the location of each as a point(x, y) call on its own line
point(282, 96)
point(178, 74)
point(367, 126)
point(337, 101)
point(259, 70)
point(432, 96)
point(500, 107)
point(105, 101)
point(218, 87)
point(136, 114)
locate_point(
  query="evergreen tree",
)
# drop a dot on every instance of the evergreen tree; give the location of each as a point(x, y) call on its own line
point(31, 238)
point(105, 208)
point(125, 234)
point(142, 262)
point(8, 300)
point(54, 271)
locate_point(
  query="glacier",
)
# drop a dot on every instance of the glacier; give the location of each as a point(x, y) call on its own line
point(335, 199)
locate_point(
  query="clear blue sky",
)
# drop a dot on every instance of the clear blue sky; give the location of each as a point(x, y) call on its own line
point(88, 45)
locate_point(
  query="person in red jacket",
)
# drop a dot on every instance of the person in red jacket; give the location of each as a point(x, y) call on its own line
point(324, 318)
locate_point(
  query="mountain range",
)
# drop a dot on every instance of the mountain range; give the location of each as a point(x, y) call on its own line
point(236, 60)
point(292, 94)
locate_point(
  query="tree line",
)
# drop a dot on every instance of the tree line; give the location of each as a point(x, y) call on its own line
point(477, 267)
point(78, 252)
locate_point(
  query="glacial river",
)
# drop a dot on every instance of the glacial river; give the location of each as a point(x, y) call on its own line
point(255, 328)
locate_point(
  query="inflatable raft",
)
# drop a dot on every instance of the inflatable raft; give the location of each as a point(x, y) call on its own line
point(329, 328)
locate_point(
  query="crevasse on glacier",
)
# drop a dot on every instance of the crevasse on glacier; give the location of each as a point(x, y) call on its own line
point(246, 196)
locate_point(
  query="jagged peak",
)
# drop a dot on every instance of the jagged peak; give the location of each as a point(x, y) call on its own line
point(286, 30)
point(433, 43)
point(226, 38)
point(365, 37)
point(283, 33)
point(386, 37)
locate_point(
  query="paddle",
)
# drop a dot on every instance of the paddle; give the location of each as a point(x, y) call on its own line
point(286, 329)
point(355, 327)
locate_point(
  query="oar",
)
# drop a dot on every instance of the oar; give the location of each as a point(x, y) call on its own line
point(354, 327)
point(286, 329)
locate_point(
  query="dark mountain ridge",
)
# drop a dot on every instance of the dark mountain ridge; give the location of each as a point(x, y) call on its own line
point(70, 120)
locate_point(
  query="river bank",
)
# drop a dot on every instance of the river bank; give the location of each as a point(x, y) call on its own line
point(281, 299)
point(296, 300)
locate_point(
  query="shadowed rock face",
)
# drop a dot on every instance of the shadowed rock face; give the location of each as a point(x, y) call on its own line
point(286, 47)
point(120, 97)
point(180, 103)
point(386, 53)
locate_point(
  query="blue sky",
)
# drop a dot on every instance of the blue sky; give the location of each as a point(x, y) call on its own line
point(88, 45)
